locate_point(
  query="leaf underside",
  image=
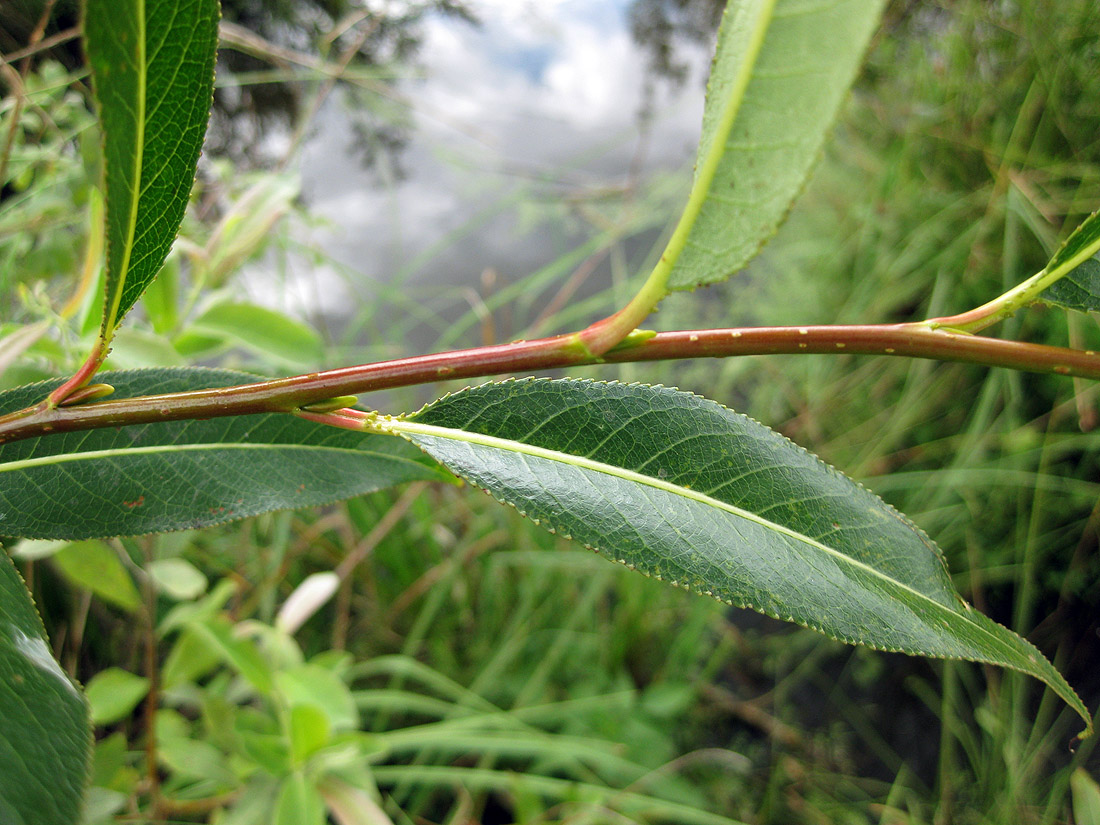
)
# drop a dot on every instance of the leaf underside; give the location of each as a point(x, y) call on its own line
point(152, 64)
point(685, 490)
point(185, 474)
point(781, 71)
point(45, 736)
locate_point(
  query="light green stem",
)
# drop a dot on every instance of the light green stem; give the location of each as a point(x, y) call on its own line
point(1006, 305)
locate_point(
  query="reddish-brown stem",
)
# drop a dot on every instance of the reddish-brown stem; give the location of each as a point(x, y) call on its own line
point(290, 394)
point(81, 377)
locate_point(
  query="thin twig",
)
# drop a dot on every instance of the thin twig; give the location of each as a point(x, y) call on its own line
point(291, 394)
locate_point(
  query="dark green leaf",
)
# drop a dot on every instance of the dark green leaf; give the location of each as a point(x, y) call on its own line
point(1082, 243)
point(177, 475)
point(152, 65)
point(45, 737)
point(781, 71)
point(1078, 289)
point(685, 490)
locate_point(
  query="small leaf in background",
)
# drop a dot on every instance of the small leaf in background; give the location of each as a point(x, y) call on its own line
point(1086, 798)
point(185, 474)
point(240, 654)
point(152, 64)
point(687, 491)
point(310, 684)
point(178, 579)
point(262, 331)
point(780, 73)
point(94, 566)
point(133, 349)
point(299, 802)
point(1077, 289)
point(45, 736)
point(309, 731)
point(247, 224)
point(113, 693)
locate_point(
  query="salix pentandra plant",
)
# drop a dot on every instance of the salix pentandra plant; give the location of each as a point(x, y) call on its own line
point(663, 481)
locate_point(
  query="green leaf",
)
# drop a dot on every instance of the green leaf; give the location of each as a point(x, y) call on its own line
point(318, 687)
point(113, 693)
point(178, 579)
point(1083, 243)
point(152, 65)
point(309, 731)
point(1086, 798)
point(96, 567)
point(177, 475)
point(241, 654)
point(1072, 278)
point(1077, 289)
point(780, 74)
point(299, 803)
point(687, 491)
point(263, 331)
point(45, 737)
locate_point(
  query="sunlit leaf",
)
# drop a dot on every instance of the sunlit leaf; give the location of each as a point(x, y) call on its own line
point(687, 491)
point(178, 475)
point(152, 65)
point(780, 74)
point(45, 736)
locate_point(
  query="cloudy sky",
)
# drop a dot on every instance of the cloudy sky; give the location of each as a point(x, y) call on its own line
point(541, 94)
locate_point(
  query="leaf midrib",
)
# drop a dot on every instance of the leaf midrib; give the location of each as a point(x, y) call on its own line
point(47, 461)
point(401, 427)
point(111, 313)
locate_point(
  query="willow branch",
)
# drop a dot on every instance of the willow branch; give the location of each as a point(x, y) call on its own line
point(290, 395)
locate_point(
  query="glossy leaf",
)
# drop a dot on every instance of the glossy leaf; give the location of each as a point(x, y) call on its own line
point(781, 71)
point(152, 65)
point(685, 490)
point(177, 475)
point(45, 736)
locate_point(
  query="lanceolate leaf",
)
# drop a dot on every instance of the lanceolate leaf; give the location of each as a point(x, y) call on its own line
point(685, 490)
point(781, 71)
point(185, 474)
point(45, 736)
point(152, 65)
